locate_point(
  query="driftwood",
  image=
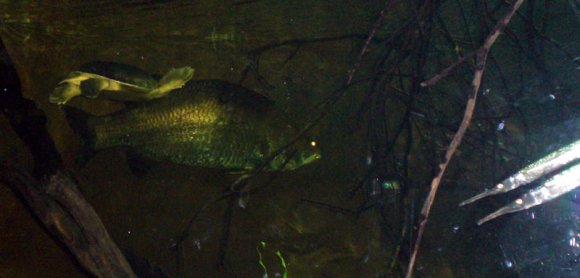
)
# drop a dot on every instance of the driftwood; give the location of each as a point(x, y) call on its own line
point(53, 197)
point(62, 209)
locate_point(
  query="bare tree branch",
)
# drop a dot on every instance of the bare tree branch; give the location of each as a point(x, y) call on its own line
point(61, 207)
point(52, 197)
point(470, 106)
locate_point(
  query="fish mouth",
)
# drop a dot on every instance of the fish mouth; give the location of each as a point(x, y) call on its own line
point(311, 158)
point(301, 160)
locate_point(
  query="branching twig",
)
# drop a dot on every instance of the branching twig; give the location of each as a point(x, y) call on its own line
point(446, 71)
point(378, 23)
point(470, 106)
point(255, 55)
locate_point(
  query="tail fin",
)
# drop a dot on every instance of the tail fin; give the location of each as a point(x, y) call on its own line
point(79, 122)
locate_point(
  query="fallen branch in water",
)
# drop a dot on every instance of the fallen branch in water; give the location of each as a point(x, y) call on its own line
point(470, 106)
point(62, 209)
point(53, 197)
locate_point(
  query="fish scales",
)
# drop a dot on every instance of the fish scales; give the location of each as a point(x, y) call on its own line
point(207, 123)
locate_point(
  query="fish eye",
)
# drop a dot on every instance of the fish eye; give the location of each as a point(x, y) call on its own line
point(312, 141)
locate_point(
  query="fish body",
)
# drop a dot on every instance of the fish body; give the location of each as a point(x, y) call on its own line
point(208, 123)
point(565, 160)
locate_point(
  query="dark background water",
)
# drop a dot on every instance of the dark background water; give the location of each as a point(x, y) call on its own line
point(332, 218)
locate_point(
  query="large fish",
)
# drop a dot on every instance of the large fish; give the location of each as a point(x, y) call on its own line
point(207, 123)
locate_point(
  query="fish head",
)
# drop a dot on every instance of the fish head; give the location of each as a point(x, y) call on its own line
point(303, 152)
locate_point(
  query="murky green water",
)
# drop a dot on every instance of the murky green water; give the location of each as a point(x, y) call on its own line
point(299, 53)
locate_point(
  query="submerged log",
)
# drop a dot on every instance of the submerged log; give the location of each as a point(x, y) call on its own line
point(53, 197)
point(64, 212)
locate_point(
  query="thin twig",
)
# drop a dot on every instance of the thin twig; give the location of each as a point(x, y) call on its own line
point(446, 71)
point(378, 23)
point(255, 55)
point(470, 106)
